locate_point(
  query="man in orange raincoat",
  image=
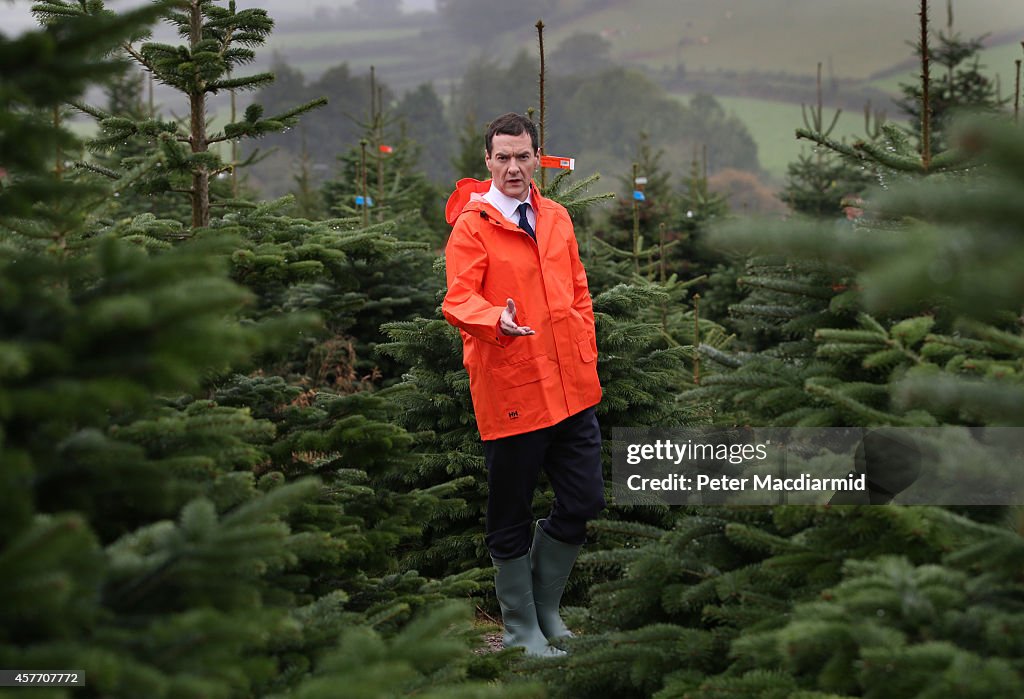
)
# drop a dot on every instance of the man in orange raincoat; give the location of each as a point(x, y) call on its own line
point(518, 294)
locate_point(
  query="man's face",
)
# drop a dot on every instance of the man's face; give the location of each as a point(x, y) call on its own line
point(511, 163)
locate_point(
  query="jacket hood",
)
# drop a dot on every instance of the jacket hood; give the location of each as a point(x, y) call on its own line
point(465, 189)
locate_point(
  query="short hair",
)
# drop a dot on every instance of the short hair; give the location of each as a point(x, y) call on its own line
point(511, 124)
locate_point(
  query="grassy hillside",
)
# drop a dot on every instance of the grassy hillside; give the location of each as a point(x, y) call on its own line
point(859, 37)
point(855, 39)
point(772, 124)
point(733, 49)
point(996, 61)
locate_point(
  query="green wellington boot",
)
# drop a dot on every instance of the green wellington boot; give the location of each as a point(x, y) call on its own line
point(552, 561)
point(513, 585)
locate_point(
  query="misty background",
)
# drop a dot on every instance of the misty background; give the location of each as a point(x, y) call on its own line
point(725, 81)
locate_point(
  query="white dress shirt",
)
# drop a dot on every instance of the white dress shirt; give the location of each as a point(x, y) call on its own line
point(507, 206)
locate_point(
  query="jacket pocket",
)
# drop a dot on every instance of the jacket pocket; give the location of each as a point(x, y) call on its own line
point(523, 372)
point(587, 352)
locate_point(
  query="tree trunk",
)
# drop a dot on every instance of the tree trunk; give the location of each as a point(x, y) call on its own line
point(197, 106)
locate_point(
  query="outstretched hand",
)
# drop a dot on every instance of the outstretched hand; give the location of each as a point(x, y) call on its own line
point(507, 323)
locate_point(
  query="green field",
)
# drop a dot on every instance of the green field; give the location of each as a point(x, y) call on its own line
point(772, 125)
point(859, 37)
point(995, 61)
point(315, 52)
point(853, 38)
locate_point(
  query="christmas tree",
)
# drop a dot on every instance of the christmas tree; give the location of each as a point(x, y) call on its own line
point(957, 85)
point(162, 534)
point(837, 601)
point(820, 184)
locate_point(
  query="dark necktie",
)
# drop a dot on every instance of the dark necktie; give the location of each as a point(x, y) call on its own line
point(524, 222)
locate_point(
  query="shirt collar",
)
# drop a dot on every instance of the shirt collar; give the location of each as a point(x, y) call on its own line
point(505, 204)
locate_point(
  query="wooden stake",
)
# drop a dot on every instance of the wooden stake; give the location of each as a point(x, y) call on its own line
point(949, 31)
point(696, 339)
point(926, 104)
point(362, 174)
point(636, 226)
point(1016, 95)
point(373, 93)
point(198, 138)
point(540, 42)
point(379, 155)
point(234, 149)
point(661, 276)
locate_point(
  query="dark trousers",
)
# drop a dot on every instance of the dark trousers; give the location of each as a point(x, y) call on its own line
point(570, 454)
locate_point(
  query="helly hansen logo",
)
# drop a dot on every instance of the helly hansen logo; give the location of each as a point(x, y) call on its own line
point(513, 414)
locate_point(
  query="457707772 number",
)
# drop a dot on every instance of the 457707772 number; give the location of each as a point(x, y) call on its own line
point(34, 678)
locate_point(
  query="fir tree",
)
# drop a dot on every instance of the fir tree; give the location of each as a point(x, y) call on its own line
point(116, 561)
point(381, 172)
point(34, 151)
point(765, 602)
point(151, 537)
point(902, 322)
point(220, 40)
point(309, 202)
point(657, 207)
point(879, 322)
point(127, 160)
point(959, 84)
point(824, 357)
point(697, 208)
point(821, 183)
point(637, 245)
point(302, 265)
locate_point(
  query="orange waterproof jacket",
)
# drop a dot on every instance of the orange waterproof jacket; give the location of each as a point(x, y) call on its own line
point(522, 383)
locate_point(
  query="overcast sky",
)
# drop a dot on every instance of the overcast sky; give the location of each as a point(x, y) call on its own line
point(16, 17)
